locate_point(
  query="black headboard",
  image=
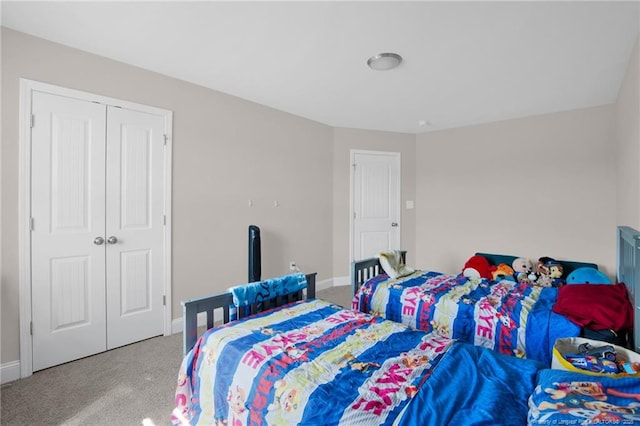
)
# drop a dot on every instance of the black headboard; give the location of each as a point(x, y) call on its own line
point(568, 266)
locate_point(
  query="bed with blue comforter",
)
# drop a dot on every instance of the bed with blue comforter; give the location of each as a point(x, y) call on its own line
point(512, 318)
point(315, 363)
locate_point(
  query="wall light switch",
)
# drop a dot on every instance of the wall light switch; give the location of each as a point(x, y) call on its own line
point(409, 204)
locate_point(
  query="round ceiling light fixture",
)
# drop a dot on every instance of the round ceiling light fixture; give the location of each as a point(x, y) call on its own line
point(384, 61)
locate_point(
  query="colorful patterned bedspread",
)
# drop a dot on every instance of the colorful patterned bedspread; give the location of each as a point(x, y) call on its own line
point(315, 363)
point(568, 398)
point(508, 317)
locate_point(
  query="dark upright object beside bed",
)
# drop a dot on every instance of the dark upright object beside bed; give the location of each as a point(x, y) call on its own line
point(255, 261)
point(208, 304)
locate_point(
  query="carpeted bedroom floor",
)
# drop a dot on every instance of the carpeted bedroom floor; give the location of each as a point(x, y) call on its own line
point(132, 385)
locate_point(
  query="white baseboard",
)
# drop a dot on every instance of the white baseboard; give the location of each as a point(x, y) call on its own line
point(9, 372)
point(340, 281)
point(177, 324)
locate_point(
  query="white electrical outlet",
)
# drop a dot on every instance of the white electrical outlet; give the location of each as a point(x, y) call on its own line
point(293, 267)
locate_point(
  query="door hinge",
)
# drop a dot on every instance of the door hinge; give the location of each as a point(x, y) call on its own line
point(165, 139)
point(164, 300)
point(354, 214)
point(32, 224)
point(164, 219)
point(31, 328)
point(33, 120)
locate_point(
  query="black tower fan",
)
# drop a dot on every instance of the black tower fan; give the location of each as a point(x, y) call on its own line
point(254, 254)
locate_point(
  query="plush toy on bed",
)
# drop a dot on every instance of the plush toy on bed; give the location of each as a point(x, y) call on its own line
point(392, 263)
point(523, 270)
point(502, 272)
point(555, 273)
point(542, 273)
point(477, 267)
point(586, 275)
point(549, 272)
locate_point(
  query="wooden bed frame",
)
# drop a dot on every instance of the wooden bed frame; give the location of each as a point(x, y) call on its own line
point(208, 304)
point(628, 272)
point(362, 270)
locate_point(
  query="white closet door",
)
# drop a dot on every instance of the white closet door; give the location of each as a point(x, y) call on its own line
point(68, 211)
point(135, 226)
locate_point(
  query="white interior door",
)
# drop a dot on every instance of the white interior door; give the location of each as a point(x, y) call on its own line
point(68, 214)
point(375, 202)
point(135, 226)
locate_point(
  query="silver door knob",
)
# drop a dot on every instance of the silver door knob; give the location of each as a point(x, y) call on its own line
point(98, 241)
point(112, 240)
point(394, 224)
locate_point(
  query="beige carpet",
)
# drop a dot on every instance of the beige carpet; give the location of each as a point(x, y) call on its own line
point(339, 295)
point(132, 385)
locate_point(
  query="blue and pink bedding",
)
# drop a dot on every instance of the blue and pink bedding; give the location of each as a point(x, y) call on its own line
point(508, 317)
point(315, 363)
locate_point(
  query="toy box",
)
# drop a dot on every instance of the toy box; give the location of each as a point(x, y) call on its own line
point(594, 357)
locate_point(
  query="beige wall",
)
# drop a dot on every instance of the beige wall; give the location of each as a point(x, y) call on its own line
point(345, 140)
point(539, 186)
point(628, 138)
point(225, 152)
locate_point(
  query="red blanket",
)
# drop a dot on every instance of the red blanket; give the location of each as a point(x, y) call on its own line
point(596, 306)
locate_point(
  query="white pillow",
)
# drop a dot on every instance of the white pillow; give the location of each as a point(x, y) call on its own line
point(391, 262)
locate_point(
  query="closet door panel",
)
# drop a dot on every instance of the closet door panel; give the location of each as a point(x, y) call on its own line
point(135, 226)
point(68, 211)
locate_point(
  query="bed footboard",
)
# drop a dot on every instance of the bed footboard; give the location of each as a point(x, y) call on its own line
point(223, 302)
point(629, 273)
point(362, 270)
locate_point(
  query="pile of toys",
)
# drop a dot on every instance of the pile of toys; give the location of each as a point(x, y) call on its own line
point(546, 272)
point(601, 359)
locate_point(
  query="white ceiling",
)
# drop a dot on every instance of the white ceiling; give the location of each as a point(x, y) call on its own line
point(464, 62)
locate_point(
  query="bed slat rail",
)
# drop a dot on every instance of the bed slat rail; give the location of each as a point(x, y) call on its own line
point(362, 270)
point(208, 305)
point(628, 273)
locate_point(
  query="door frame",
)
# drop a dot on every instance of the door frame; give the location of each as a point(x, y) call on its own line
point(352, 153)
point(27, 87)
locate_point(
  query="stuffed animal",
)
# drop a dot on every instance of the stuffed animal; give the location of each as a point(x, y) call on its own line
point(523, 270)
point(477, 267)
point(555, 271)
point(587, 275)
point(542, 271)
point(502, 272)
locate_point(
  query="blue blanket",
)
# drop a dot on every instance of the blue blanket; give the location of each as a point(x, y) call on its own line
point(255, 292)
point(479, 387)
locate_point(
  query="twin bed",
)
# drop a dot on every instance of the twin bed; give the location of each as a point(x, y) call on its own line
point(312, 362)
point(513, 318)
